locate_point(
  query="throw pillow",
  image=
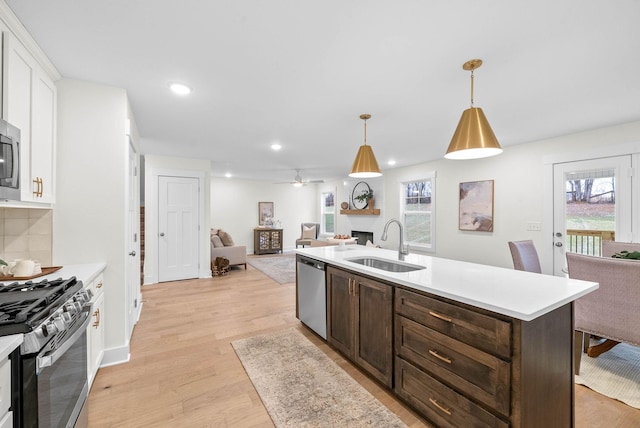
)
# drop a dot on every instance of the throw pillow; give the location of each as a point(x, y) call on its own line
point(226, 238)
point(214, 231)
point(308, 232)
point(216, 241)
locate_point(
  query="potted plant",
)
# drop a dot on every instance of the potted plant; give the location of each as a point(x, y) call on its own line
point(366, 196)
point(629, 255)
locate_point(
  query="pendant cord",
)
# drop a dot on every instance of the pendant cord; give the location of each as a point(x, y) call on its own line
point(472, 88)
point(365, 132)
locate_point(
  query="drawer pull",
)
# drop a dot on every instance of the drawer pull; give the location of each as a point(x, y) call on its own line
point(99, 285)
point(440, 357)
point(442, 317)
point(442, 409)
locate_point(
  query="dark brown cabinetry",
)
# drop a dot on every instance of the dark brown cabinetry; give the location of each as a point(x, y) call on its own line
point(267, 241)
point(359, 321)
point(463, 366)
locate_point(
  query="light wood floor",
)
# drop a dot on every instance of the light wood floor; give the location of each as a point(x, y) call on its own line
point(184, 373)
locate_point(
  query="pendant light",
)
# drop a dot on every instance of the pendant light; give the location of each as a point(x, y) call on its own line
point(365, 165)
point(473, 138)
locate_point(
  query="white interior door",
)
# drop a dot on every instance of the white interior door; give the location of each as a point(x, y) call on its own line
point(609, 206)
point(178, 228)
point(133, 242)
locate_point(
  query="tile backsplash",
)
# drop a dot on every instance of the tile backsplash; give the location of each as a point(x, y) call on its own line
point(26, 233)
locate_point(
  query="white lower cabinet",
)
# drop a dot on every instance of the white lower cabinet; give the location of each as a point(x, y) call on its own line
point(6, 414)
point(95, 330)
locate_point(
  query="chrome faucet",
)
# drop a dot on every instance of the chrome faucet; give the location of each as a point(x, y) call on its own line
point(401, 249)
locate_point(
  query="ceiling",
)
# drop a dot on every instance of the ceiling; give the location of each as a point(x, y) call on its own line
point(301, 72)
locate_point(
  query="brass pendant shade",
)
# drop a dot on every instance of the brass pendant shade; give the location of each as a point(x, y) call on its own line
point(365, 165)
point(474, 137)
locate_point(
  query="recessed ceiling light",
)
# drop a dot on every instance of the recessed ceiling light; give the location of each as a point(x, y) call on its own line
point(391, 162)
point(180, 89)
point(275, 147)
point(228, 175)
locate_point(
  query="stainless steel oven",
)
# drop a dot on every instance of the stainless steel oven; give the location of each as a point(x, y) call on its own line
point(50, 383)
point(54, 381)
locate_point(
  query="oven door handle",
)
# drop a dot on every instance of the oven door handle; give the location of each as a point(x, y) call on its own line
point(47, 360)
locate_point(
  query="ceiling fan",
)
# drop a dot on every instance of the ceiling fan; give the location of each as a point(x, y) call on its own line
point(298, 182)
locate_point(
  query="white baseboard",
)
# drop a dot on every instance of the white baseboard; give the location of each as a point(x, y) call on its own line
point(115, 356)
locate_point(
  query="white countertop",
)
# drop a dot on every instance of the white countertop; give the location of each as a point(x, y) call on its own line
point(83, 272)
point(521, 295)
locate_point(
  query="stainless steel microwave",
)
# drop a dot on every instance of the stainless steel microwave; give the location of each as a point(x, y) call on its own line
point(9, 161)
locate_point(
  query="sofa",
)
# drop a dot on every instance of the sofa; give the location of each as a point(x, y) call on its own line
point(222, 245)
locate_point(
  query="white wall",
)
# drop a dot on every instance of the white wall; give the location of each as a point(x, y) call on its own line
point(234, 208)
point(520, 193)
point(89, 217)
point(182, 167)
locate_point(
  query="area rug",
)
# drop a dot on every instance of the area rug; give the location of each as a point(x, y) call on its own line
point(301, 387)
point(281, 267)
point(616, 374)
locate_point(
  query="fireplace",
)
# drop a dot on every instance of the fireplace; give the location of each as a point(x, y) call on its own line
point(362, 236)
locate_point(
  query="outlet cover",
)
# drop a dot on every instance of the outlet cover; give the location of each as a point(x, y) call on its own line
point(534, 226)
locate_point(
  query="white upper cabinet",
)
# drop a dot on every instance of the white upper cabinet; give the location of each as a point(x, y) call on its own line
point(29, 103)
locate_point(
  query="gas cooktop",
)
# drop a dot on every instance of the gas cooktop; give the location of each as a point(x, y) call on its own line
point(24, 305)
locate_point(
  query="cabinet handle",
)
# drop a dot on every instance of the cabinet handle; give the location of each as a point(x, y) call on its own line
point(440, 357)
point(97, 315)
point(350, 292)
point(442, 317)
point(39, 187)
point(442, 409)
point(99, 285)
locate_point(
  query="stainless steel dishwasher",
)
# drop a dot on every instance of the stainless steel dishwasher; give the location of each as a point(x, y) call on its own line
point(312, 294)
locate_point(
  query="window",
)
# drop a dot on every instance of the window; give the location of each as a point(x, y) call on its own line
point(328, 213)
point(417, 207)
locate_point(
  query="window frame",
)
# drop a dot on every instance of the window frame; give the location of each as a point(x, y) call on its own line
point(430, 247)
point(324, 211)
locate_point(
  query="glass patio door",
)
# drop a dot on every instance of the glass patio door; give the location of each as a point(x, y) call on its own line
point(592, 203)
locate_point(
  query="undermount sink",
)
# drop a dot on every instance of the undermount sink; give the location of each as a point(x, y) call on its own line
point(385, 264)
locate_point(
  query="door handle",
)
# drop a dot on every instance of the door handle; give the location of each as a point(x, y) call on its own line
point(161, 233)
point(133, 253)
point(558, 244)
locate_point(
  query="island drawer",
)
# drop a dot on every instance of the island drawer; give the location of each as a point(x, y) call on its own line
point(477, 374)
point(481, 331)
point(439, 403)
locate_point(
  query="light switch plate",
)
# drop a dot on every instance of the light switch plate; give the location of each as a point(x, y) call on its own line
point(534, 225)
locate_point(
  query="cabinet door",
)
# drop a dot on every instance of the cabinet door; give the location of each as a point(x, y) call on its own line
point(29, 103)
point(96, 338)
point(43, 138)
point(341, 314)
point(374, 345)
point(19, 69)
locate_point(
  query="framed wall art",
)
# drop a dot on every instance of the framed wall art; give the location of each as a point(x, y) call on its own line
point(265, 213)
point(476, 206)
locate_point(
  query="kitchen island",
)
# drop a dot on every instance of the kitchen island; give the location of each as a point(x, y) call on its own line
point(463, 344)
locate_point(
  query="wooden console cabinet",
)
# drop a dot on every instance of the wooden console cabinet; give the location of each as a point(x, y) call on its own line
point(359, 321)
point(267, 241)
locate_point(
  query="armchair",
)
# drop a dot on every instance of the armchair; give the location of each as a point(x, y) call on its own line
point(308, 232)
point(613, 310)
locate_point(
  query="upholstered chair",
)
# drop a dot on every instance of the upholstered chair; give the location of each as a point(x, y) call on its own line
point(308, 232)
point(525, 256)
point(613, 310)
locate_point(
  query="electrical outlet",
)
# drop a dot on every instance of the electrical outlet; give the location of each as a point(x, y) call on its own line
point(534, 226)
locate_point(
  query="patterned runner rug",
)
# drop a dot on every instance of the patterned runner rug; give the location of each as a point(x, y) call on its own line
point(279, 267)
point(301, 387)
point(616, 374)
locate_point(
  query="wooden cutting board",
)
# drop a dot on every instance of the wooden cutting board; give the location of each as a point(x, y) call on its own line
point(45, 271)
